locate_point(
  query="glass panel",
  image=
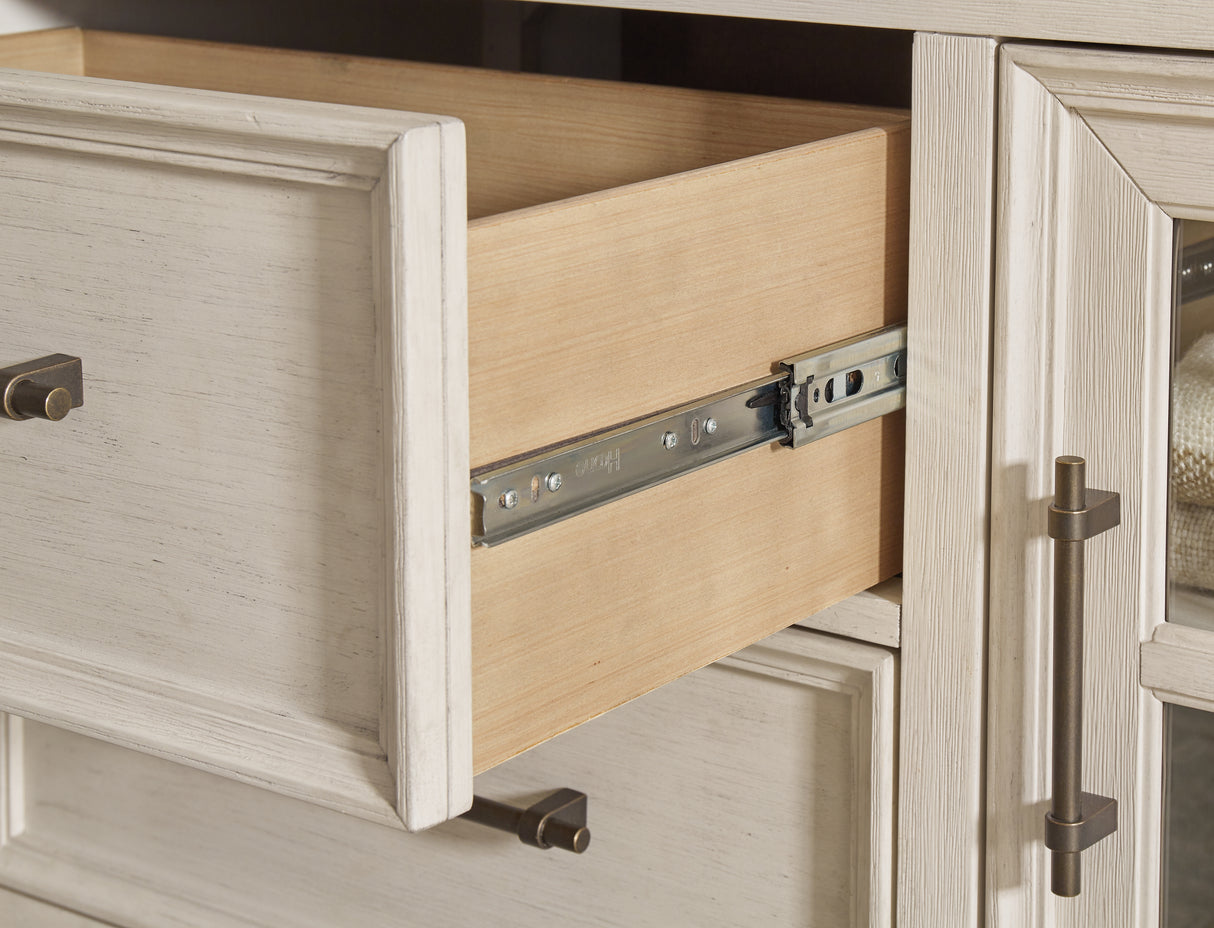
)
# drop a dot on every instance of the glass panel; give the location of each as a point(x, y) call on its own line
point(1189, 823)
point(1188, 875)
point(1191, 552)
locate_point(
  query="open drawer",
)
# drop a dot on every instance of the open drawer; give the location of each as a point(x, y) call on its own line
point(250, 550)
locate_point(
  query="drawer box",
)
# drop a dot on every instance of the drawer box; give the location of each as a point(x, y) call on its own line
point(759, 790)
point(249, 550)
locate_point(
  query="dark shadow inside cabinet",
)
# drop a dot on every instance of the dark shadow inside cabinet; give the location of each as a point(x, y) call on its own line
point(803, 60)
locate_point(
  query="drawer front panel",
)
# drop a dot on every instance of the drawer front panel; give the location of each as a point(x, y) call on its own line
point(212, 558)
point(755, 791)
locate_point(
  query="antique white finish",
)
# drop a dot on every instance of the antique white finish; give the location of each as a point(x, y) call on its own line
point(1098, 151)
point(944, 559)
point(269, 298)
point(759, 789)
point(21, 911)
point(1178, 665)
point(873, 615)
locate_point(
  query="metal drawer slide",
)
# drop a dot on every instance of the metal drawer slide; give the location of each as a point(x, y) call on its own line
point(814, 395)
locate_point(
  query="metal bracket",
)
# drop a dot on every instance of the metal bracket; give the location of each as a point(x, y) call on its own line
point(848, 383)
point(1101, 511)
point(815, 395)
point(1097, 820)
point(558, 820)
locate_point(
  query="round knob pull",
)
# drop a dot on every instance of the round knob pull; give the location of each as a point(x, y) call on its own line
point(36, 400)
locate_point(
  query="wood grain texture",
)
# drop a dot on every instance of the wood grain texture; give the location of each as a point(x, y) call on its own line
point(216, 263)
point(1173, 110)
point(426, 693)
point(1178, 665)
point(940, 828)
point(873, 615)
point(21, 911)
point(594, 311)
point(12, 779)
point(1169, 23)
point(651, 296)
point(60, 51)
point(658, 292)
point(531, 138)
point(1084, 287)
point(587, 614)
point(683, 832)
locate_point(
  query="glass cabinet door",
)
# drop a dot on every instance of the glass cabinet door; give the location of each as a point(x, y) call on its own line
point(1188, 850)
point(1100, 353)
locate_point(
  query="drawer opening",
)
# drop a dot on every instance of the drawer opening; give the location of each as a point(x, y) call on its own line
point(630, 248)
point(532, 139)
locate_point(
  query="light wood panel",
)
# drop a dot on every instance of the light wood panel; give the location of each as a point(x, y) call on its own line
point(589, 613)
point(941, 815)
point(759, 790)
point(598, 310)
point(60, 51)
point(531, 138)
point(594, 311)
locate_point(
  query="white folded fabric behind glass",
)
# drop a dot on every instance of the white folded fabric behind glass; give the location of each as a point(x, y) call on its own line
point(1189, 748)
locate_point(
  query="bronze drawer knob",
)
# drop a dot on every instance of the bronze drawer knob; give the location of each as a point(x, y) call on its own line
point(40, 400)
point(48, 388)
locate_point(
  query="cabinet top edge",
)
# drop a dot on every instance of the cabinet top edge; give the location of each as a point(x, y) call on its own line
point(1164, 24)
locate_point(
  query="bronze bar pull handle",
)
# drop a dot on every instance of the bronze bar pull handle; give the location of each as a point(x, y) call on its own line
point(1076, 819)
point(558, 820)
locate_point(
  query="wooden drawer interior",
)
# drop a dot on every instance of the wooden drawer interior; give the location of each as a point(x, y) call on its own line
point(631, 248)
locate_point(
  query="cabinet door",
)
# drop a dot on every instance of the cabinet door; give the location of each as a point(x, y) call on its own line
point(1100, 154)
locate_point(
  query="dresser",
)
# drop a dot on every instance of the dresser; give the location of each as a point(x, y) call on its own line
point(886, 760)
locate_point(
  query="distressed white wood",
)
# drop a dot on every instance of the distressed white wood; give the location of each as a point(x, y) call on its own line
point(229, 555)
point(940, 830)
point(12, 782)
point(1084, 305)
point(758, 790)
point(21, 911)
point(873, 615)
point(1178, 665)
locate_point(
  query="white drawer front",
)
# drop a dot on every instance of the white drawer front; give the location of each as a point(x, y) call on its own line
point(756, 791)
point(213, 559)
